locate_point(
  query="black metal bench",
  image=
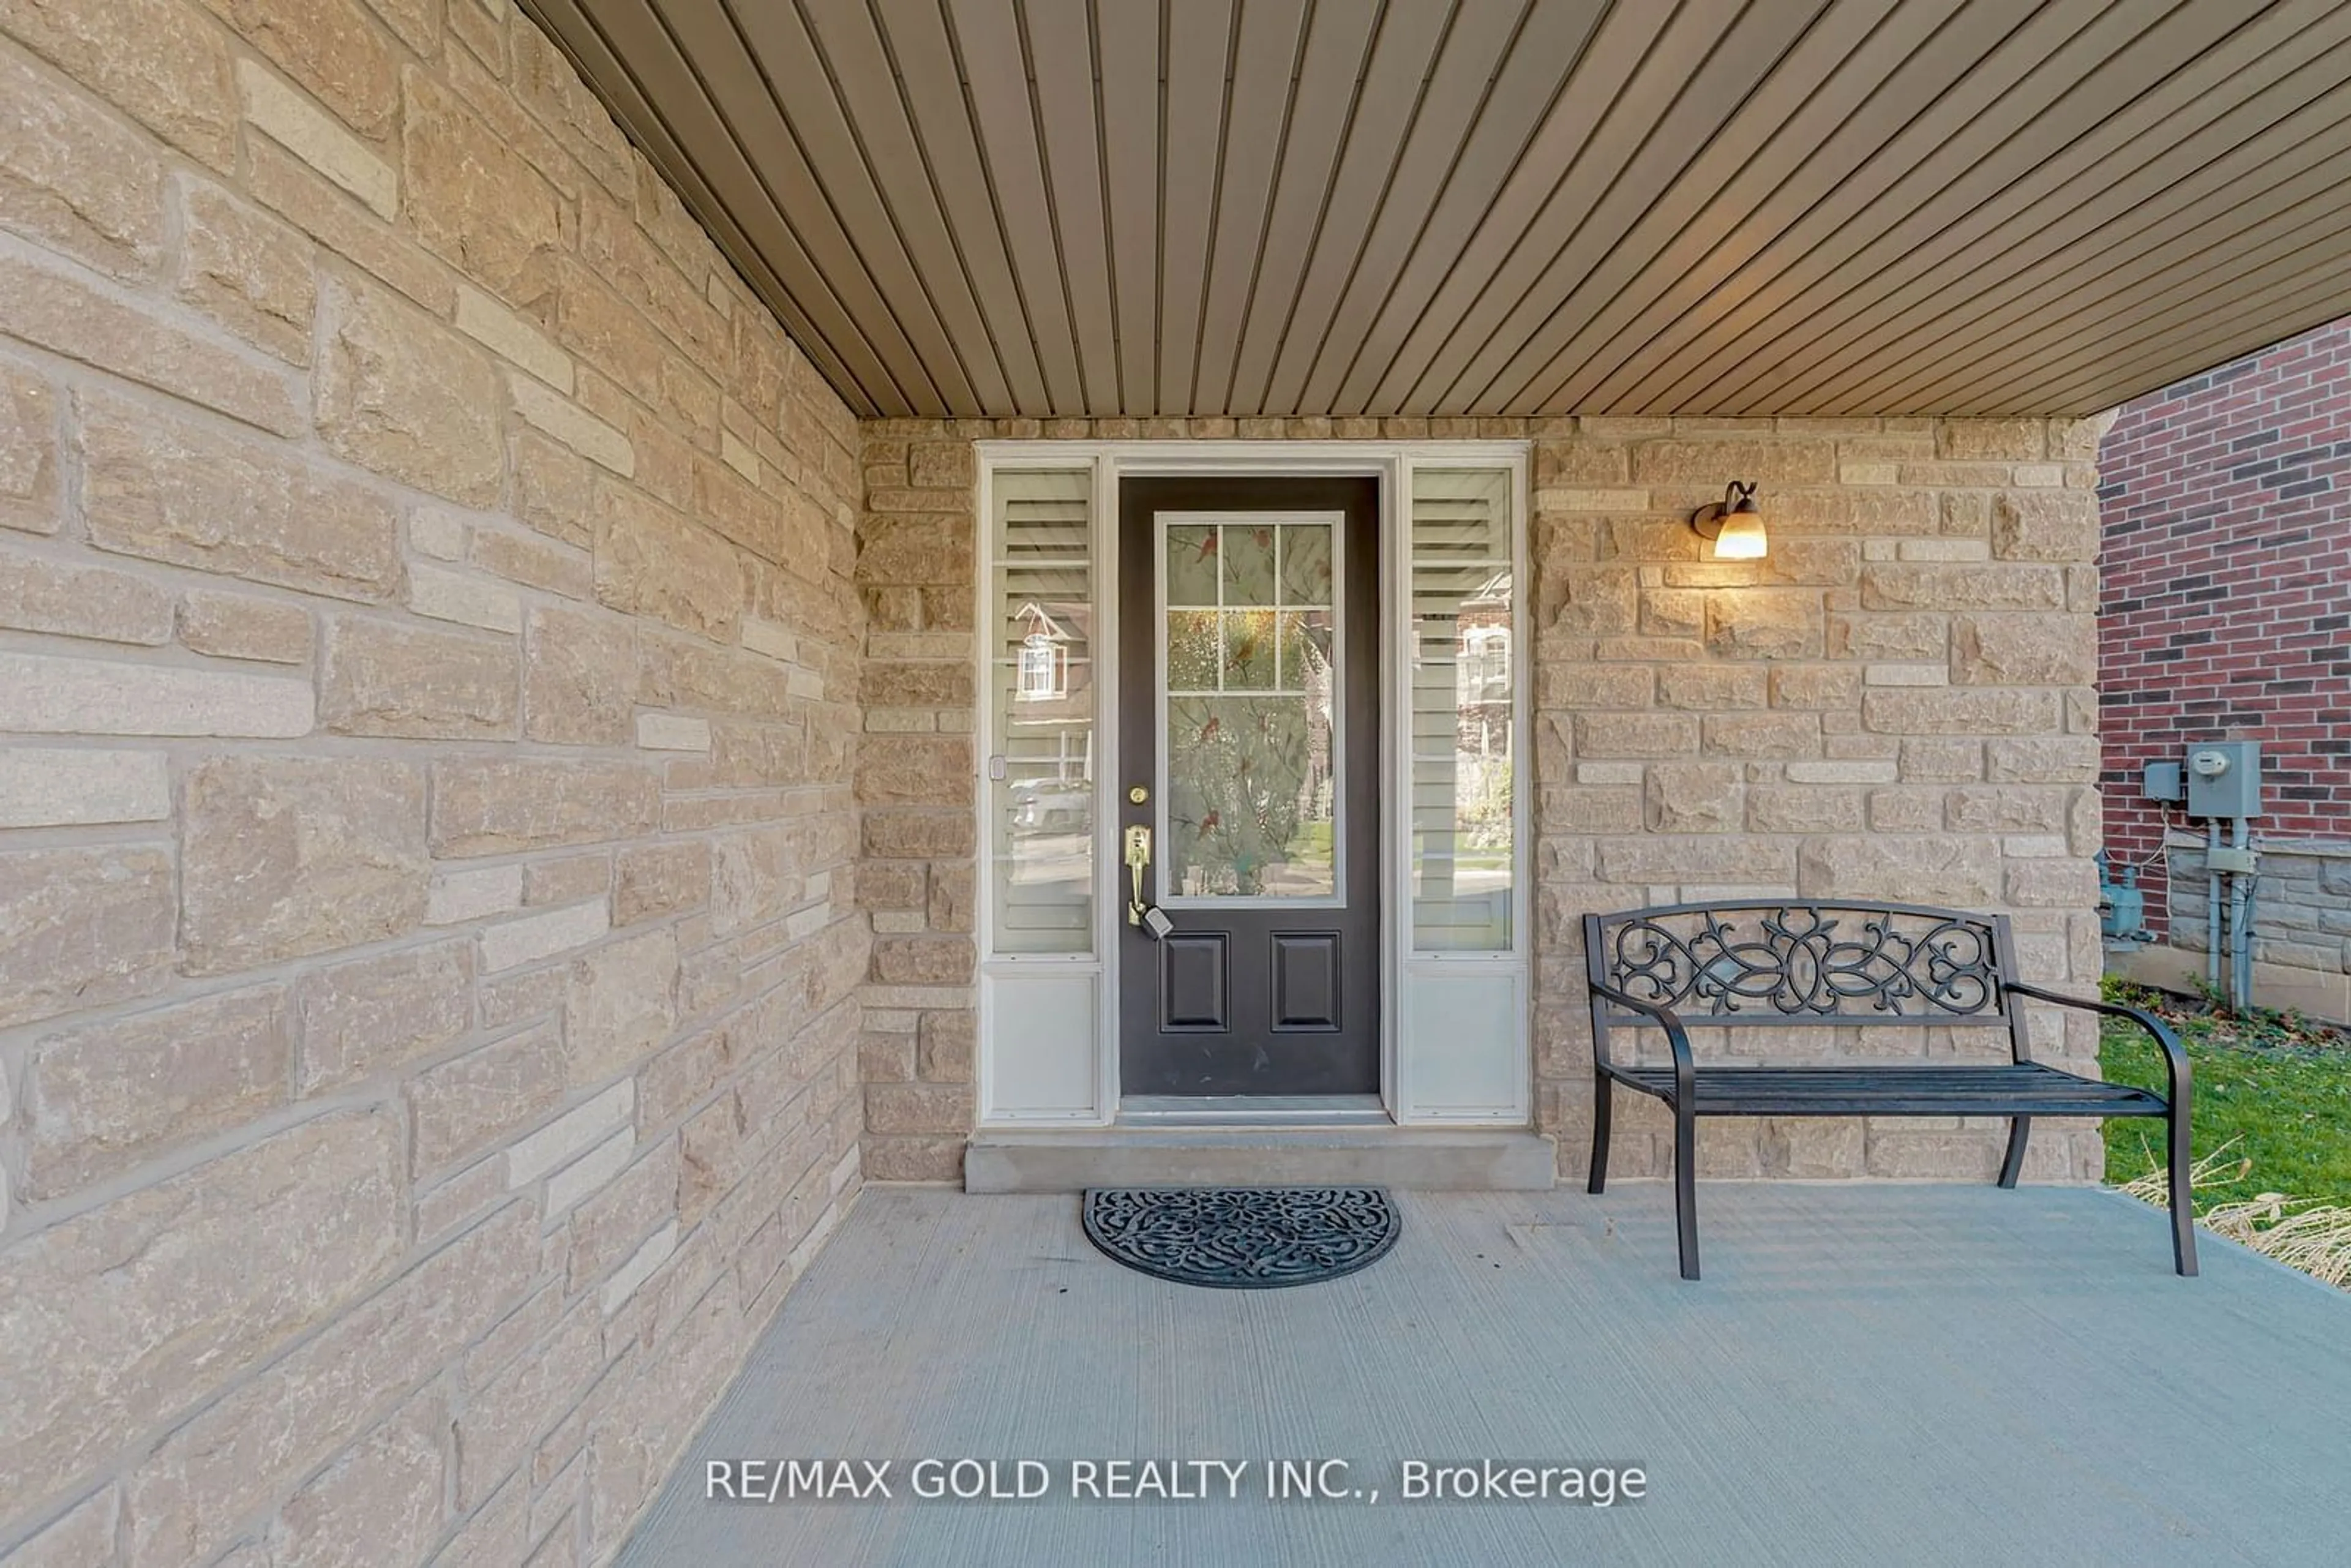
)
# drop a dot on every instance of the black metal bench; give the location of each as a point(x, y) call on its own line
point(1777, 964)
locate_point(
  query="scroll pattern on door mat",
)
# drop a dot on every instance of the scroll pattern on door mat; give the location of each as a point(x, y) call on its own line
point(1243, 1238)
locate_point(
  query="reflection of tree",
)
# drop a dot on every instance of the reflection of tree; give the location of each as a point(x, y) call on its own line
point(1245, 770)
point(1241, 776)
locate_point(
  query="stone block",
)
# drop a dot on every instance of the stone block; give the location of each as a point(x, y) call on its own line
point(379, 1501)
point(922, 960)
point(1694, 796)
point(1657, 859)
point(298, 125)
point(159, 61)
point(58, 310)
point(551, 488)
point(1635, 735)
point(485, 806)
point(1774, 809)
point(935, 551)
point(2007, 808)
point(462, 896)
point(2043, 759)
point(71, 176)
point(1963, 872)
point(83, 928)
point(476, 201)
point(267, 1433)
point(915, 770)
point(653, 880)
point(397, 392)
point(944, 1047)
point(1946, 585)
point(517, 340)
point(897, 1109)
point(1965, 711)
point(1703, 687)
point(245, 626)
point(396, 678)
point(653, 561)
point(1989, 440)
point(1764, 623)
point(954, 898)
point(580, 676)
point(510, 943)
point(620, 1005)
point(132, 1312)
point(44, 788)
point(570, 1134)
point(171, 491)
point(572, 425)
point(569, 879)
point(1782, 460)
point(2045, 525)
point(610, 1226)
point(2053, 884)
point(511, 1410)
point(375, 1015)
point(284, 856)
point(1754, 737)
point(86, 1534)
point(245, 270)
point(1996, 649)
point(470, 1103)
point(43, 694)
point(101, 1098)
point(533, 562)
point(1914, 636)
point(467, 600)
point(28, 452)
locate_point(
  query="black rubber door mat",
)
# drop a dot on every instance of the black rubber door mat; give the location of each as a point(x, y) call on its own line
point(1243, 1238)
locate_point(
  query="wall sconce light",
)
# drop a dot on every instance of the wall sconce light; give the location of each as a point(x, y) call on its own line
point(1735, 524)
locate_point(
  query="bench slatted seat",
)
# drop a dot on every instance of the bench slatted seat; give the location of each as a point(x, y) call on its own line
point(1761, 964)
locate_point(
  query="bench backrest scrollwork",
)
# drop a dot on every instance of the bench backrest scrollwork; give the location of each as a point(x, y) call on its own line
point(1782, 963)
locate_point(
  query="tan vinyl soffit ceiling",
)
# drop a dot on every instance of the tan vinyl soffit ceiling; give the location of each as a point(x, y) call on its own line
point(1050, 207)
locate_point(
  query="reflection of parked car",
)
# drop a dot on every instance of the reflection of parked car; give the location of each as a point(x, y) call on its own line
point(1053, 805)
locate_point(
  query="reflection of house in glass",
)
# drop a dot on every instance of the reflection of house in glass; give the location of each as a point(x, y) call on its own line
point(1482, 669)
point(1049, 724)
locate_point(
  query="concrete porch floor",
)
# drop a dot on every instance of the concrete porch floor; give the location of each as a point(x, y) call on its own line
point(1868, 1374)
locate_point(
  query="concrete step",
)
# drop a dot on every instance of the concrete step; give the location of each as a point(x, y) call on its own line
point(1427, 1160)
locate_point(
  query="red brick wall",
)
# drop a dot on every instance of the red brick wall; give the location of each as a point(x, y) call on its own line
point(2226, 505)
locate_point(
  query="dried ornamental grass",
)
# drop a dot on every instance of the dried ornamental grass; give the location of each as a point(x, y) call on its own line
point(2313, 1238)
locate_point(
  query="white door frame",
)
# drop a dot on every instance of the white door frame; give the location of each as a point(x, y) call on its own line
point(1070, 989)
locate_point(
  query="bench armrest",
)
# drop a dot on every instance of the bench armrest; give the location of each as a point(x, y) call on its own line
point(1685, 1065)
point(2175, 1059)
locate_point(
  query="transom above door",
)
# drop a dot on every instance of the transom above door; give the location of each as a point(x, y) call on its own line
point(1249, 754)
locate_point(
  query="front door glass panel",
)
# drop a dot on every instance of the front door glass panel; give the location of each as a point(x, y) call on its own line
point(1250, 671)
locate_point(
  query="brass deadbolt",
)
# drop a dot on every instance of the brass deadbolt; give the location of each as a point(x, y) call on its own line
point(1138, 794)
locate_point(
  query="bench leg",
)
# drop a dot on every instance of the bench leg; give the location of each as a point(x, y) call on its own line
point(2019, 1129)
point(1686, 1187)
point(1603, 1087)
point(2183, 1212)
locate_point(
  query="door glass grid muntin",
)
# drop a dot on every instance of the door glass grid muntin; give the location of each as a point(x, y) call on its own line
point(1166, 526)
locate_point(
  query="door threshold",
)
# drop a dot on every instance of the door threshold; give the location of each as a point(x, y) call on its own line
point(1252, 1111)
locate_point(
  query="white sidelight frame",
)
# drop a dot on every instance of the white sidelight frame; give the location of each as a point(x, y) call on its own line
point(1457, 1036)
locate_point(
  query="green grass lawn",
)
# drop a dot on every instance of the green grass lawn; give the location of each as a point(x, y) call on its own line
point(2278, 1092)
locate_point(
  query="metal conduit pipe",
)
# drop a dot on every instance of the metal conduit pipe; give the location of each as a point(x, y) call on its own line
point(2211, 904)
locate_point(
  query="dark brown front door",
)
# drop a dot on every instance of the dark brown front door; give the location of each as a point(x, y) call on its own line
point(1249, 693)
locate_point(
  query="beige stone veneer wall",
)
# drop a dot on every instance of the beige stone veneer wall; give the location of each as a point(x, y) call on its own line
point(427, 668)
point(1896, 705)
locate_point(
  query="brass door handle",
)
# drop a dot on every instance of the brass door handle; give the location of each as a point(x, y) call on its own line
point(1138, 861)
